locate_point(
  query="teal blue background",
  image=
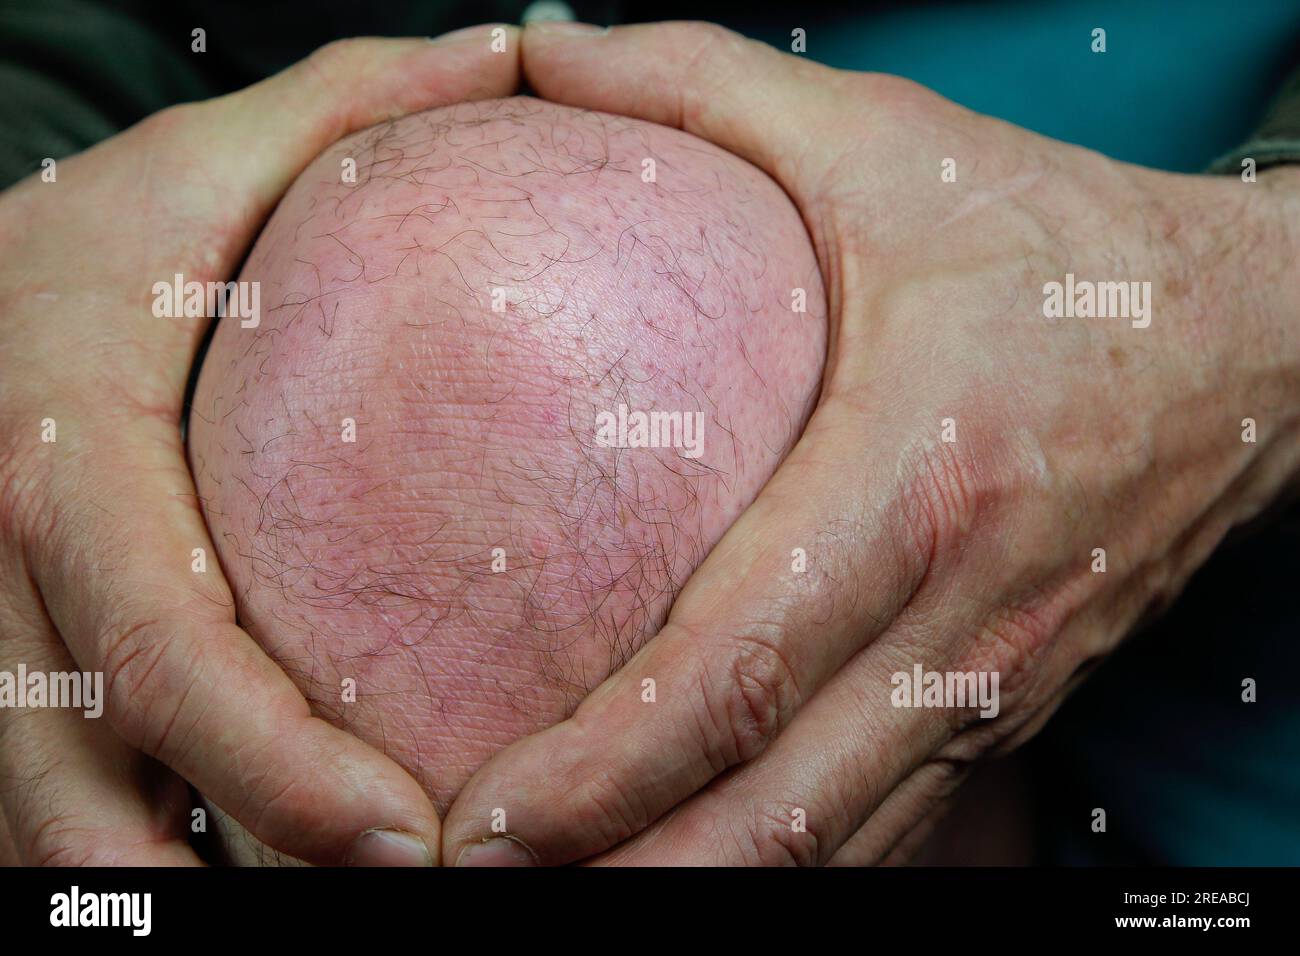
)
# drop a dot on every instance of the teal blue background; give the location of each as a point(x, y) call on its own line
point(1179, 84)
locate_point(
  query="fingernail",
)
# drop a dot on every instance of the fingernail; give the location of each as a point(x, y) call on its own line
point(498, 851)
point(480, 32)
point(389, 848)
point(568, 28)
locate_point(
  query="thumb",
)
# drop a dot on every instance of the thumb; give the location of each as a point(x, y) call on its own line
point(747, 97)
point(270, 131)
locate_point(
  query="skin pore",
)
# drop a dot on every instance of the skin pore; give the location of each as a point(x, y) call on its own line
point(399, 464)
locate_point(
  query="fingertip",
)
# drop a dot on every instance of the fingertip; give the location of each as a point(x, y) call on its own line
point(388, 847)
point(393, 819)
point(545, 794)
point(480, 816)
point(503, 850)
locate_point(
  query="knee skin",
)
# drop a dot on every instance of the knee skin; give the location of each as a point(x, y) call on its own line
point(475, 560)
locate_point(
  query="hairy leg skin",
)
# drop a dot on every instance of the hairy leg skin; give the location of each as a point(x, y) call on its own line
point(475, 561)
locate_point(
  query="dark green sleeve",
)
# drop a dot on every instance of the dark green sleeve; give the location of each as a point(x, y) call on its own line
point(1277, 140)
point(75, 72)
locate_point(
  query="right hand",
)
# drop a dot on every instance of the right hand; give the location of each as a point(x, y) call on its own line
point(98, 527)
point(967, 458)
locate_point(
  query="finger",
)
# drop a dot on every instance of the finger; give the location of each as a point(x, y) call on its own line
point(183, 682)
point(75, 795)
point(71, 792)
point(905, 820)
point(270, 131)
point(232, 845)
point(854, 766)
point(753, 634)
point(972, 814)
point(867, 775)
point(840, 759)
point(738, 93)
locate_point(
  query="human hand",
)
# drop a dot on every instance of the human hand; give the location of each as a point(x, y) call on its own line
point(968, 457)
point(98, 528)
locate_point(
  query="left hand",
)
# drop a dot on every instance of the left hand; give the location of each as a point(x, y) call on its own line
point(99, 522)
point(975, 554)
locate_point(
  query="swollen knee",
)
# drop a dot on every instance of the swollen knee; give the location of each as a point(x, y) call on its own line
point(518, 368)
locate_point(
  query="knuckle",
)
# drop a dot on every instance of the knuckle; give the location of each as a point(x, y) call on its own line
point(754, 836)
point(141, 684)
point(953, 490)
point(1010, 644)
point(329, 68)
point(607, 808)
point(776, 843)
point(710, 50)
point(160, 140)
point(338, 51)
point(941, 498)
point(708, 38)
point(1014, 635)
point(895, 93)
point(166, 123)
point(335, 59)
point(755, 698)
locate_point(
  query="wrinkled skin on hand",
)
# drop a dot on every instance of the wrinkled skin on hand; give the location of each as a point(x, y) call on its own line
point(474, 562)
point(99, 528)
point(968, 555)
